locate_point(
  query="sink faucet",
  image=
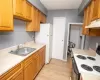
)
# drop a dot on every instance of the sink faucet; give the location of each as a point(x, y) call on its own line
point(18, 47)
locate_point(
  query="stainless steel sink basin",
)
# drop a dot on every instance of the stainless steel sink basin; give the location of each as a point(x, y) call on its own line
point(23, 51)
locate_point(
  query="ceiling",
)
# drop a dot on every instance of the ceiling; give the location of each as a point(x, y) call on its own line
point(61, 4)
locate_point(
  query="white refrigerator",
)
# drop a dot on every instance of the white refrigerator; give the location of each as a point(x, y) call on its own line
point(45, 36)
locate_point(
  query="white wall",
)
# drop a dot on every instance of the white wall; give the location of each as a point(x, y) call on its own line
point(18, 36)
point(39, 5)
point(90, 42)
point(75, 35)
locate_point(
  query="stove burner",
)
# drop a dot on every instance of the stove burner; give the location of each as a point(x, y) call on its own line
point(81, 57)
point(91, 58)
point(86, 67)
point(97, 68)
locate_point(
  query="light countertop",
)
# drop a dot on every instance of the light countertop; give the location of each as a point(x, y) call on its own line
point(7, 60)
point(86, 76)
point(89, 52)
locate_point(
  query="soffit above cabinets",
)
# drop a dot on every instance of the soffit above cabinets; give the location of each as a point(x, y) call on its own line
point(61, 4)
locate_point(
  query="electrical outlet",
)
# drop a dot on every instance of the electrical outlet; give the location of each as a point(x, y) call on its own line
point(33, 37)
point(97, 45)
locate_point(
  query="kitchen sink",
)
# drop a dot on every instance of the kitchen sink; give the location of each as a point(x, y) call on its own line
point(23, 51)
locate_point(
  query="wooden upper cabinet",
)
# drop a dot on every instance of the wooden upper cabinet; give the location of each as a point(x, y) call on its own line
point(85, 30)
point(6, 15)
point(31, 26)
point(27, 9)
point(42, 18)
point(22, 10)
point(96, 9)
point(37, 20)
point(18, 8)
point(88, 17)
point(35, 24)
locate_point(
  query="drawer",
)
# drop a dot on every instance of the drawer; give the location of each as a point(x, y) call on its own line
point(27, 61)
point(11, 72)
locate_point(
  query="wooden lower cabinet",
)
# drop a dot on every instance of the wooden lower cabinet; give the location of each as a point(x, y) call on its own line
point(42, 57)
point(34, 64)
point(27, 69)
point(18, 76)
point(16, 73)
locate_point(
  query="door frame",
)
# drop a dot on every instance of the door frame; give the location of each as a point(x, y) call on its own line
point(68, 35)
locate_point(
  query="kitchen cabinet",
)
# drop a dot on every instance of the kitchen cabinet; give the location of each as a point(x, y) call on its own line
point(18, 8)
point(42, 18)
point(96, 9)
point(35, 24)
point(15, 73)
point(29, 69)
point(27, 10)
point(33, 64)
point(22, 10)
point(6, 15)
point(41, 57)
point(30, 26)
point(88, 13)
point(18, 76)
point(36, 62)
point(85, 30)
point(37, 20)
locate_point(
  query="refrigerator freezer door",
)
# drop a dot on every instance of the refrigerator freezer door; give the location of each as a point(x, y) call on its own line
point(44, 36)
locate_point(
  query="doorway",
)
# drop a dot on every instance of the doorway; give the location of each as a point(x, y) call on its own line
point(75, 35)
point(59, 24)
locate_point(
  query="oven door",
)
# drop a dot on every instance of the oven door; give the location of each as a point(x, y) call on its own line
point(75, 72)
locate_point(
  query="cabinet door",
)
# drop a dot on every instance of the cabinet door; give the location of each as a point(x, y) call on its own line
point(28, 69)
point(37, 20)
point(28, 72)
point(18, 76)
point(96, 9)
point(36, 63)
point(18, 8)
point(6, 15)
point(92, 32)
point(85, 30)
point(44, 18)
point(16, 73)
point(35, 24)
point(41, 57)
point(28, 11)
point(31, 67)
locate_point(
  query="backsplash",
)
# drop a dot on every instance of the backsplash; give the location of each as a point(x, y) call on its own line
point(91, 42)
point(18, 36)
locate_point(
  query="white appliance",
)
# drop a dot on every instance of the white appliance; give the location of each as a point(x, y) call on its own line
point(45, 37)
point(88, 62)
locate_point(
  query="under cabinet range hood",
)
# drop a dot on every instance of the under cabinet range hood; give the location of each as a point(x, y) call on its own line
point(94, 24)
